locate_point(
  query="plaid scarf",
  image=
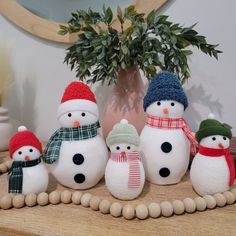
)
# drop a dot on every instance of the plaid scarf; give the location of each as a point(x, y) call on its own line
point(52, 150)
point(134, 170)
point(214, 152)
point(174, 123)
point(15, 174)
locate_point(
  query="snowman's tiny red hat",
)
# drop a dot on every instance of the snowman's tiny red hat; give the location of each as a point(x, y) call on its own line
point(22, 138)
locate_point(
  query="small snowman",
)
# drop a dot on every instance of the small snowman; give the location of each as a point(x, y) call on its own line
point(76, 153)
point(166, 138)
point(27, 174)
point(124, 173)
point(212, 169)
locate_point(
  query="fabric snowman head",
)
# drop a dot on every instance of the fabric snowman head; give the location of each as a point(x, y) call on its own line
point(165, 97)
point(78, 106)
point(24, 145)
point(123, 138)
point(213, 134)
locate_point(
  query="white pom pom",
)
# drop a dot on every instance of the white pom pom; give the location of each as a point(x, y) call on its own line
point(211, 116)
point(124, 121)
point(22, 128)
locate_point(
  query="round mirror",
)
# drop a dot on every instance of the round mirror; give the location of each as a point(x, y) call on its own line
point(41, 17)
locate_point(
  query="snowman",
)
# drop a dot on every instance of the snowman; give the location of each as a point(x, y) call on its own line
point(212, 169)
point(124, 175)
point(27, 174)
point(166, 138)
point(76, 153)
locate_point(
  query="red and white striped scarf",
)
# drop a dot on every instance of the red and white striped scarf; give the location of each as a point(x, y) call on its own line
point(133, 159)
point(173, 123)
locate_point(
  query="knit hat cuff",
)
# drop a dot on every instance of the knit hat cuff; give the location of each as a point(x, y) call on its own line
point(212, 130)
point(77, 104)
point(122, 138)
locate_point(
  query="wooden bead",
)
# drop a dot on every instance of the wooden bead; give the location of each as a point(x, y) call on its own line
point(178, 207)
point(229, 196)
point(104, 206)
point(116, 209)
point(31, 199)
point(128, 212)
point(166, 209)
point(189, 205)
point(220, 199)
point(154, 210)
point(42, 199)
point(94, 203)
point(3, 168)
point(200, 203)
point(8, 164)
point(210, 201)
point(18, 201)
point(66, 197)
point(6, 202)
point(85, 199)
point(141, 211)
point(76, 197)
point(54, 197)
point(233, 191)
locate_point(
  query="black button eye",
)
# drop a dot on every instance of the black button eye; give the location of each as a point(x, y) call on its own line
point(214, 138)
point(69, 114)
point(31, 150)
point(158, 103)
point(172, 104)
point(224, 138)
point(128, 147)
point(83, 114)
point(117, 148)
point(19, 152)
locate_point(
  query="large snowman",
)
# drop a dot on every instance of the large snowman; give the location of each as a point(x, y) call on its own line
point(166, 138)
point(76, 153)
point(27, 174)
point(124, 173)
point(212, 169)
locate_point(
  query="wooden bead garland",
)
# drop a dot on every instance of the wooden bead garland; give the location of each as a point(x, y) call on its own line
point(116, 209)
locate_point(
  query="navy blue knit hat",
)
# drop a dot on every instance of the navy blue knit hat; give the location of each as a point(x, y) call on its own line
point(165, 86)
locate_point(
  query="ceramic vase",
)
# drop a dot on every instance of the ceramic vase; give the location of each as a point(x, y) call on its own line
point(125, 101)
point(6, 129)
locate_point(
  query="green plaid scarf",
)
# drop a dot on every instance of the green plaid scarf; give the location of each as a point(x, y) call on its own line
point(51, 153)
point(15, 174)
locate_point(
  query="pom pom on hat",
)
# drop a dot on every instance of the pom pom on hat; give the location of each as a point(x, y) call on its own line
point(78, 96)
point(210, 127)
point(165, 86)
point(23, 138)
point(123, 132)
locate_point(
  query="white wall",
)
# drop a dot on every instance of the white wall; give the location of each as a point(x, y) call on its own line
point(39, 76)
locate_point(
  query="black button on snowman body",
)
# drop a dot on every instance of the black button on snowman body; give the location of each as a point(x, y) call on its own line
point(166, 149)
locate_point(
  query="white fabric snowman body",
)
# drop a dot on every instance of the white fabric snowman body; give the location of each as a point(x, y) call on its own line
point(26, 148)
point(212, 170)
point(165, 139)
point(124, 175)
point(81, 163)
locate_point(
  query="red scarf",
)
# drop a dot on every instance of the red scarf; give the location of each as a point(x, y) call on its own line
point(134, 170)
point(214, 152)
point(173, 123)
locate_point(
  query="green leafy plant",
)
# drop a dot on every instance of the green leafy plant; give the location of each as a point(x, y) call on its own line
point(102, 51)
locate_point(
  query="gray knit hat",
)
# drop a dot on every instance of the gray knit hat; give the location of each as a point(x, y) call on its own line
point(123, 132)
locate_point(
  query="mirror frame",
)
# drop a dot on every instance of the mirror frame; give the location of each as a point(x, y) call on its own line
point(48, 29)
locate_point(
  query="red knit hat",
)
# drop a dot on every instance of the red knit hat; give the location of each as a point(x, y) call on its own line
point(22, 138)
point(78, 96)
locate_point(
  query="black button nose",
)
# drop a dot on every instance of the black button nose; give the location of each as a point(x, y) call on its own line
point(79, 178)
point(78, 159)
point(164, 172)
point(166, 147)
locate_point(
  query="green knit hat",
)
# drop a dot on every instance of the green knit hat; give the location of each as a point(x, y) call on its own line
point(210, 127)
point(123, 132)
